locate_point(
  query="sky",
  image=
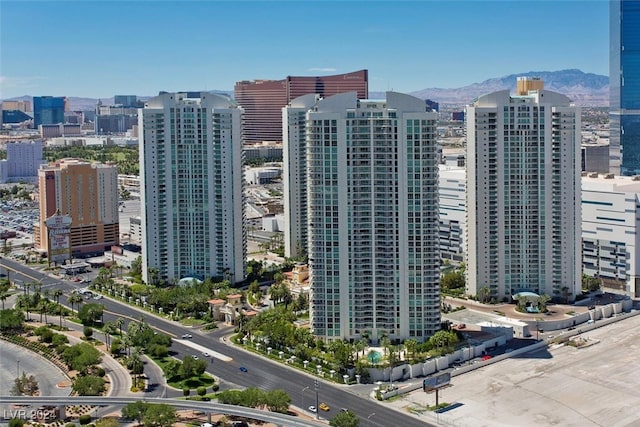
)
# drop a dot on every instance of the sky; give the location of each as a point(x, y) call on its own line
point(97, 49)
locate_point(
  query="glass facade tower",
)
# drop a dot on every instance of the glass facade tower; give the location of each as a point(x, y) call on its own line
point(48, 110)
point(624, 105)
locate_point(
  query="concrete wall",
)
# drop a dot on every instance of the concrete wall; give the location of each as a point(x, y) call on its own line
point(600, 312)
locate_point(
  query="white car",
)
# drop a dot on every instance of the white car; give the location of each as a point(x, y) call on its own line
point(205, 354)
point(195, 357)
point(186, 336)
point(313, 409)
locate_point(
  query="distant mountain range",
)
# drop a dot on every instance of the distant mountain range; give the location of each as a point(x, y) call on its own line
point(585, 89)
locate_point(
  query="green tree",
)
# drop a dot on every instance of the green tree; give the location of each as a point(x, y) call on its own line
point(192, 367)
point(452, 280)
point(135, 411)
point(57, 293)
point(141, 334)
point(590, 283)
point(484, 293)
point(159, 415)
point(88, 385)
point(80, 356)
point(75, 299)
point(278, 401)
point(109, 329)
point(411, 345)
point(542, 303)
point(88, 332)
point(443, 339)
point(89, 314)
point(4, 294)
point(116, 346)
point(158, 351)
point(135, 365)
point(11, 320)
point(25, 386)
point(344, 419)
point(172, 369)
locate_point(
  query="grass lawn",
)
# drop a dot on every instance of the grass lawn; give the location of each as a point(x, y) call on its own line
point(192, 322)
point(192, 383)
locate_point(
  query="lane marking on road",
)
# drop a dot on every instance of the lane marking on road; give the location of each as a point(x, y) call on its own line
point(203, 349)
point(133, 319)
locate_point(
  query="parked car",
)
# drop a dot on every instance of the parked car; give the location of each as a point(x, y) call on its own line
point(313, 409)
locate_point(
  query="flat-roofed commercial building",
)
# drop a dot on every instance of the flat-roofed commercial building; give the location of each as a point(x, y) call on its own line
point(611, 231)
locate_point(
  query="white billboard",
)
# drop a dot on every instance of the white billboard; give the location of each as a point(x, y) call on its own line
point(58, 227)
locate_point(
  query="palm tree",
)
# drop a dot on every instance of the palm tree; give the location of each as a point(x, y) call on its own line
point(136, 365)
point(119, 323)
point(542, 302)
point(108, 329)
point(361, 345)
point(483, 294)
point(75, 299)
point(44, 305)
point(57, 293)
point(411, 345)
point(26, 288)
point(3, 296)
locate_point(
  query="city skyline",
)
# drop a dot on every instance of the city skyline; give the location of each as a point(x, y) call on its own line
point(120, 47)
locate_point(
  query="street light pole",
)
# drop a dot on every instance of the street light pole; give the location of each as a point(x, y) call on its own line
point(317, 386)
point(303, 404)
point(18, 369)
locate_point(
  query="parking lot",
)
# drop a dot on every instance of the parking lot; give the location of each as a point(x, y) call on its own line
point(559, 386)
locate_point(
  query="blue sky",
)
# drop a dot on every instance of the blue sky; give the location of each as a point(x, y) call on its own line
point(101, 48)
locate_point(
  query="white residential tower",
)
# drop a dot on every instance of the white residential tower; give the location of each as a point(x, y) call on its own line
point(373, 218)
point(192, 190)
point(523, 195)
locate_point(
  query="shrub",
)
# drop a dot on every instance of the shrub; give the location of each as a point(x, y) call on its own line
point(215, 387)
point(202, 391)
point(88, 332)
point(70, 425)
point(59, 339)
point(84, 419)
point(186, 391)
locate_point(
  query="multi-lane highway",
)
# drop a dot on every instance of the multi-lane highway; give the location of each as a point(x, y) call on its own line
point(260, 372)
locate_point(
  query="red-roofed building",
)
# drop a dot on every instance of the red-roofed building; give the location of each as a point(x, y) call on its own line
point(216, 307)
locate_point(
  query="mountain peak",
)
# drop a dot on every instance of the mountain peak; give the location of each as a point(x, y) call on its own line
point(585, 89)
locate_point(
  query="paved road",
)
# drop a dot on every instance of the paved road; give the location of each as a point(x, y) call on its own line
point(262, 372)
point(48, 375)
